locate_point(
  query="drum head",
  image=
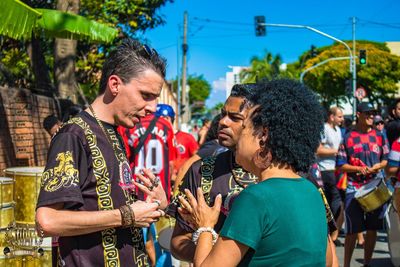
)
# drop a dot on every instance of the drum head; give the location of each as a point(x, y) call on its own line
point(367, 188)
point(25, 171)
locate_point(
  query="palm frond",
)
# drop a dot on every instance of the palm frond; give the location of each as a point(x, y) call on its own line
point(70, 26)
point(17, 19)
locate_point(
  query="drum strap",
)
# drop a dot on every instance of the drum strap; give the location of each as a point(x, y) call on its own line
point(207, 169)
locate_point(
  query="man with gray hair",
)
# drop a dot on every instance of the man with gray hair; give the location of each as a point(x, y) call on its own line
point(87, 194)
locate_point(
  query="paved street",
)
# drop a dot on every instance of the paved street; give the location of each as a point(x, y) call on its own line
point(381, 257)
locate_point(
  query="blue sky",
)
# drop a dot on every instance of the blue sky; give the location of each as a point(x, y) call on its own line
point(221, 33)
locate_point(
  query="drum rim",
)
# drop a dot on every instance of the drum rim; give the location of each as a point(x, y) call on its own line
point(371, 191)
point(17, 171)
point(8, 180)
point(7, 206)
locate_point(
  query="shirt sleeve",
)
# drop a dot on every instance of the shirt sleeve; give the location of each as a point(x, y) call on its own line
point(394, 155)
point(65, 171)
point(236, 226)
point(193, 145)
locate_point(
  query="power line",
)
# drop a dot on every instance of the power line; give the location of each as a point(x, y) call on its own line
point(222, 21)
point(389, 25)
point(221, 36)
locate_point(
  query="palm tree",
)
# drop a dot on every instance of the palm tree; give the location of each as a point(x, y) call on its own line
point(262, 68)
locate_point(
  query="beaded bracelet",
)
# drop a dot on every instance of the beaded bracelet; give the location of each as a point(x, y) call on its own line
point(196, 234)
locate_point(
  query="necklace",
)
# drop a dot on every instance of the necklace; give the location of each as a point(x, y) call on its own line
point(239, 174)
point(125, 174)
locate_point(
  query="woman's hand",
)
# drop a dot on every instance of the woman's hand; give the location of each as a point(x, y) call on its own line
point(146, 213)
point(152, 187)
point(201, 215)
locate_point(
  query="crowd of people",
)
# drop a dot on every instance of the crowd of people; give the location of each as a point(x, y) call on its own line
point(261, 184)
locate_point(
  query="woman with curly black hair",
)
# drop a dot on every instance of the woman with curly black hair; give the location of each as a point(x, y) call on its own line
point(281, 220)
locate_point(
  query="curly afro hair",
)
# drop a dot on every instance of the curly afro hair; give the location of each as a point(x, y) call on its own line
point(293, 118)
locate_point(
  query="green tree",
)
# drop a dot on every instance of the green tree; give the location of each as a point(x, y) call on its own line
point(266, 68)
point(199, 91)
point(379, 76)
point(125, 15)
point(130, 17)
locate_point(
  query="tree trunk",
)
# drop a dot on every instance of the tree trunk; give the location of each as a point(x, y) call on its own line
point(39, 66)
point(64, 58)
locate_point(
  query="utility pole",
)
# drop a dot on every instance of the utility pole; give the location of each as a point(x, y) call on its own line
point(354, 70)
point(178, 89)
point(184, 101)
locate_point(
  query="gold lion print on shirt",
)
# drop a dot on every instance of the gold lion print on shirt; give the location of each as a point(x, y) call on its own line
point(62, 175)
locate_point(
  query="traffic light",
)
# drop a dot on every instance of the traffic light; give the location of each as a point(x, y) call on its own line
point(182, 109)
point(259, 23)
point(363, 57)
point(313, 52)
point(348, 88)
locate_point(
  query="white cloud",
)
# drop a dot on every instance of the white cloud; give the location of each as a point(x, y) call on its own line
point(219, 85)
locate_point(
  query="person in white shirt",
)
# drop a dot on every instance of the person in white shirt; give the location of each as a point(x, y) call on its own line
point(326, 159)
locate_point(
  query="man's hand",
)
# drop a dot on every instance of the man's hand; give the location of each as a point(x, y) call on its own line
point(375, 168)
point(146, 213)
point(152, 187)
point(364, 170)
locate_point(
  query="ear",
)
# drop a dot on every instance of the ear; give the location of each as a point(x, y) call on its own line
point(114, 83)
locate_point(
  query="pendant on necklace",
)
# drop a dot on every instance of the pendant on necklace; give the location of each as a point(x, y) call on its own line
point(125, 175)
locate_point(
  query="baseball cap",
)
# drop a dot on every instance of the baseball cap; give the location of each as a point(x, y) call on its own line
point(365, 106)
point(165, 110)
point(377, 119)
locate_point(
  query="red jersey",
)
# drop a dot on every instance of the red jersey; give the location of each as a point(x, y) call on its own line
point(157, 151)
point(186, 147)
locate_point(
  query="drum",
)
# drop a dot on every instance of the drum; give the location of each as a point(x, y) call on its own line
point(27, 187)
point(165, 228)
point(6, 216)
point(6, 191)
point(26, 258)
point(393, 233)
point(373, 195)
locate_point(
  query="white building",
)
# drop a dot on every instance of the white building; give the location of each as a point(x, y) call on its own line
point(232, 78)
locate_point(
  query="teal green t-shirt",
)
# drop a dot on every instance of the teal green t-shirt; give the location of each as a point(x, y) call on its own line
point(282, 221)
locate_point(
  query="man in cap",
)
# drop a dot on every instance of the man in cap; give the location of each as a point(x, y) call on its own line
point(379, 125)
point(362, 154)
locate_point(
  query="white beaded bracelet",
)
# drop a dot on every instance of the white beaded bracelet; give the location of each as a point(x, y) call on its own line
point(196, 234)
